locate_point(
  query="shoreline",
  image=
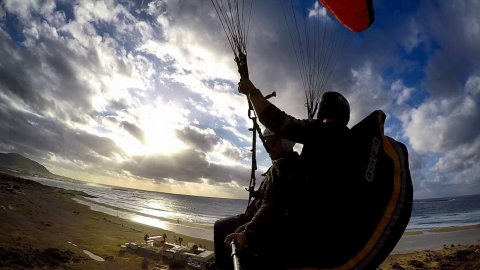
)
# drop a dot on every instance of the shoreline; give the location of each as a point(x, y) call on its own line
point(438, 238)
point(411, 241)
point(449, 248)
point(183, 228)
point(45, 228)
point(38, 220)
point(205, 231)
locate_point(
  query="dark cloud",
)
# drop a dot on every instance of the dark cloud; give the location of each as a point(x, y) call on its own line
point(234, 154)
point(188, 166)
point(454, 44)
point(134, 130)
point(443, 187)
point(205, 141)
point(15, 75)
point(198, 139)
point(464, 131)
point(46, 78)
point(41, 136)
point(443, 125)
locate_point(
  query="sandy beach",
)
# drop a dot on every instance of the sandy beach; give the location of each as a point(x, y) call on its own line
point(44, 228)
point(449, 248)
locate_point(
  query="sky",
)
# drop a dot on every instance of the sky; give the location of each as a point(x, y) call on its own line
point(143, 94)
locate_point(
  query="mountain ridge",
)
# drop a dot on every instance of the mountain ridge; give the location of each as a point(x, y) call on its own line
point(17, 165)
point(17, 162)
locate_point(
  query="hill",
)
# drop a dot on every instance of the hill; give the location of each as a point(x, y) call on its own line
point(19, 163)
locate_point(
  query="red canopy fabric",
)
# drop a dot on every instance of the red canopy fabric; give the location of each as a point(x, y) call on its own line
point(356, 15)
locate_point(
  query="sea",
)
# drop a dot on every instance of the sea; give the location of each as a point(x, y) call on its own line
point(195, 215)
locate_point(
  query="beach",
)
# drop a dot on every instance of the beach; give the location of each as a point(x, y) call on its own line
point(45, 228)
point(447, 248)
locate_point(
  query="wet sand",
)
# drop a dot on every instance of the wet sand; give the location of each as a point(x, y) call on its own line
point(44, 228)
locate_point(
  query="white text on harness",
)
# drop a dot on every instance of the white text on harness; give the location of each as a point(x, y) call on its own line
point(373, 160)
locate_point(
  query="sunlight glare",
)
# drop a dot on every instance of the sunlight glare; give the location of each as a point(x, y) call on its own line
point(159, 123)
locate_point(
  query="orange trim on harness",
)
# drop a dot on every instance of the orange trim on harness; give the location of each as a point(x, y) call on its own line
point(390, 151)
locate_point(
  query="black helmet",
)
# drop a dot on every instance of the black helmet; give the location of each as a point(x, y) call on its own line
point(334, 105)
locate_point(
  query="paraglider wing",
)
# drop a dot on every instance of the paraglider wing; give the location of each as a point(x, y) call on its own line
point(356, 15)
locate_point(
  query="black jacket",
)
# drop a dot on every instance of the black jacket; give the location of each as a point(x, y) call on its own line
point(269, 218)
point(354, 200)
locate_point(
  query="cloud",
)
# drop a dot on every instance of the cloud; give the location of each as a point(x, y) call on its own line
point(134, 130)
point(463, 158)
point(204, 140)
point(41, 136)
point(444, 133)
point(148, 89)
point(454, 45)
point(366, 93)
point(440, 125)
point(89, 75)
point(188, 166)
point(232, 152)
point(403, 93)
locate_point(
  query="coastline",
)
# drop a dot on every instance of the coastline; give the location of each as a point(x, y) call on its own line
point(438, 238)
point(455, 248)
point(46, 226)
point(183, 227)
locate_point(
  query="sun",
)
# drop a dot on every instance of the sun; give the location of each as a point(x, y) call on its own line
point(159, 124)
